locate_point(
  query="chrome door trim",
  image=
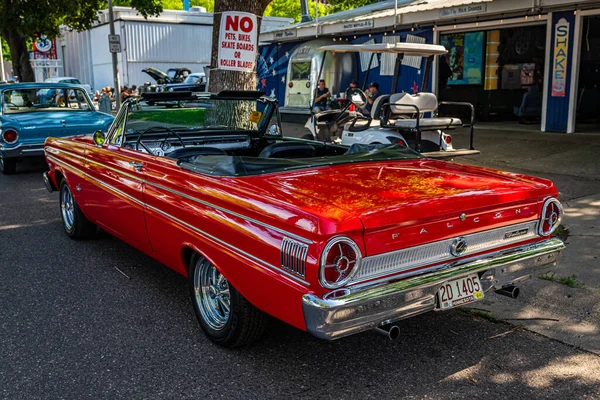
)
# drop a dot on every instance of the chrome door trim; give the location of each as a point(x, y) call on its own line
point(183, 223)
point(199, 201)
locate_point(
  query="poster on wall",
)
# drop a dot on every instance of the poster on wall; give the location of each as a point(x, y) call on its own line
point(413, 61)
point(465, 57)
point(237, 41)
point(561, 51)
point(44, 48)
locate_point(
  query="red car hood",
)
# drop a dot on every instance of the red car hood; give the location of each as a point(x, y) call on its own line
point(400, 199)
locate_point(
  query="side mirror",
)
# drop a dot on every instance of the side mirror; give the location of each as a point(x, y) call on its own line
point(99, 138)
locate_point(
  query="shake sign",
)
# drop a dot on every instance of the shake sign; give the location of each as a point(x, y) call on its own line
point(561, 51)
point(237, 41)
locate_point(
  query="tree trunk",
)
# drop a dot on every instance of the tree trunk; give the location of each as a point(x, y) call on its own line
point(20, 56)
point(230, 113)
point(225, 79)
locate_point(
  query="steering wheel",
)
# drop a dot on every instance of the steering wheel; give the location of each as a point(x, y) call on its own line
point(357, 97)
point(170, 131)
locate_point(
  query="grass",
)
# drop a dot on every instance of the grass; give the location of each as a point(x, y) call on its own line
point(562, 232)
point(481, 314)
point(175, 116)
point(570, 281)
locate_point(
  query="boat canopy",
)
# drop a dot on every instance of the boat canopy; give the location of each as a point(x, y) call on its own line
point(409, 49)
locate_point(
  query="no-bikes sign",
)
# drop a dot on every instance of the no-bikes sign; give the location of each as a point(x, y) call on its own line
point(237, 41)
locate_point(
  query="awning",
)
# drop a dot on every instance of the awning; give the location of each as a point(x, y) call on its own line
point(381, 9)
point(409, 49)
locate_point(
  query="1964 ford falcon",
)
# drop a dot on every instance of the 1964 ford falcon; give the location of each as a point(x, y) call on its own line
point(330, 239)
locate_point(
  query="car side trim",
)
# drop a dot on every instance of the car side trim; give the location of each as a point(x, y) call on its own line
point(180, 222)
point(199, 201)
point(238, 250)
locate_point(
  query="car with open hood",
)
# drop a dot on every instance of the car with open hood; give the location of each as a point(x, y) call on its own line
point(195, 82)
point(173, 75)
point(331, 239)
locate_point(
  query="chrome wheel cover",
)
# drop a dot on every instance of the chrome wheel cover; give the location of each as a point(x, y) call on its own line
point(211, 291)
point(67, 208)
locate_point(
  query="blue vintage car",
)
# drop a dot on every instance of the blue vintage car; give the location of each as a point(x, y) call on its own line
point(30, 112)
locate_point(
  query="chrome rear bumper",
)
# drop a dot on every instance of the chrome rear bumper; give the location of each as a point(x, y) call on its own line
point(352, 310)
point(22, 150)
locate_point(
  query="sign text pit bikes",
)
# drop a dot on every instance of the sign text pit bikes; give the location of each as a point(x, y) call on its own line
point(237, 41)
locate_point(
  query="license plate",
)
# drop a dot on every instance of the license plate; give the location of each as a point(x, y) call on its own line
point(459, 292)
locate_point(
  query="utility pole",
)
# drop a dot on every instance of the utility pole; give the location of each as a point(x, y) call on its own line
point(115, 65)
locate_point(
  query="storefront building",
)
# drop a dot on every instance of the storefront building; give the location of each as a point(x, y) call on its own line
point(531, 62)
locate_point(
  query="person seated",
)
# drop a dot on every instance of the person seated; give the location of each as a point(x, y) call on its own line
point(26, 102)
point(351, 89)
point(124, 93)
point(60, 98)
point(372, 94)
point(321, 96)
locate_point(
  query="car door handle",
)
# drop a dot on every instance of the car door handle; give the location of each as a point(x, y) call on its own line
point(63, 122)
point(137, 165)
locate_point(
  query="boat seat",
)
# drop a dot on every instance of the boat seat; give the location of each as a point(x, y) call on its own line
point(428, 123)
point(378, 106)
point(425, 102)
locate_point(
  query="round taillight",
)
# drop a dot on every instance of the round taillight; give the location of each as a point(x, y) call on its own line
point(10, 136)
point(401, 143)
point(340, 261)
point(291, 84)
point(551, 216)
point(448, 139)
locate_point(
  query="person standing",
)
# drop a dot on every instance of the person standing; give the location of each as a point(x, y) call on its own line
point(444, 74)
point(321, 96)
point(104, 104)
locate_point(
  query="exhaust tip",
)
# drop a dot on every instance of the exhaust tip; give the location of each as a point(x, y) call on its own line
point(509, 291)
point(392, 332)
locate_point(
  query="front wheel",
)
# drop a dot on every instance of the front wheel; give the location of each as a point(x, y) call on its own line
point(76, 225)
point(8, 167)
point(225, 316)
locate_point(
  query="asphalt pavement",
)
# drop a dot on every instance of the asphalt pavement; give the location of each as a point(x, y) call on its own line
point(97, 319)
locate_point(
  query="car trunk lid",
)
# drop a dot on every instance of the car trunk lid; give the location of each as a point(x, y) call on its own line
point(412, 202)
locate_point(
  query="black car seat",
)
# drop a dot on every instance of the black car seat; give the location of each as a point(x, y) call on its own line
point(189, 152)
point(288, 150)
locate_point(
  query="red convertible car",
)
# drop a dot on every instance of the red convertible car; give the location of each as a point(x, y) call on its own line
point(333, 240)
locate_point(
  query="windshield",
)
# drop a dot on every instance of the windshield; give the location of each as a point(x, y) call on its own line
point(300, 71)
point(16, 101)
point(188, 117)
point(192, 79)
